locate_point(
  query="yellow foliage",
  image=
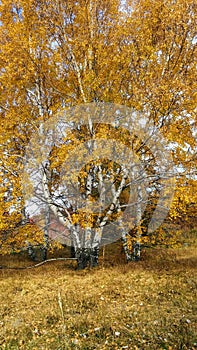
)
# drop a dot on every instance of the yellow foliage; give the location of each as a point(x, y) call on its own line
point(61, 54)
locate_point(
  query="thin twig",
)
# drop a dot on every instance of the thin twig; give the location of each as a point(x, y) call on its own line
point(103, 256)
point(36, 265)
point(61, 309)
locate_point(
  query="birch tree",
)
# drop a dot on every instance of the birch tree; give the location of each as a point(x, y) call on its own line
point(56, 55)
point(96, 179)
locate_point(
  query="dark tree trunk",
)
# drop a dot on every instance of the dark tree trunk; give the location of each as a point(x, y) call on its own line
point(31, 252)
point(94, 255)
point(136, 251)
point(72, 252)
point(86, 257)
point(44, 251)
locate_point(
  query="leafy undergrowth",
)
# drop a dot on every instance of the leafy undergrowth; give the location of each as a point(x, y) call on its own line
point(146, 305)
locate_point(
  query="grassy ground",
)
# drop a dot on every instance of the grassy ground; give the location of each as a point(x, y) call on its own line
point(146, 305)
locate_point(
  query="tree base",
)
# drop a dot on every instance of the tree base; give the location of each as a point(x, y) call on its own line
point(86, 257)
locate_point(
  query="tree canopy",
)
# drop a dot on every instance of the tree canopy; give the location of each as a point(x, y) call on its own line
point(56, 55)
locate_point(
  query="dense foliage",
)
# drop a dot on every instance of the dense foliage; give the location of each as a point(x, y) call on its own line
point(57, 54)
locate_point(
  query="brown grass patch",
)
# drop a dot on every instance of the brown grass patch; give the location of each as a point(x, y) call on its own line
point(145, 305)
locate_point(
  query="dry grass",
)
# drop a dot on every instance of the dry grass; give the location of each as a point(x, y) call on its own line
point(145, 305)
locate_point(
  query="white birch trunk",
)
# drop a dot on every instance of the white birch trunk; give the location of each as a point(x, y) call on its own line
point(137, 245)
point(62, 219)
point(124, 234)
